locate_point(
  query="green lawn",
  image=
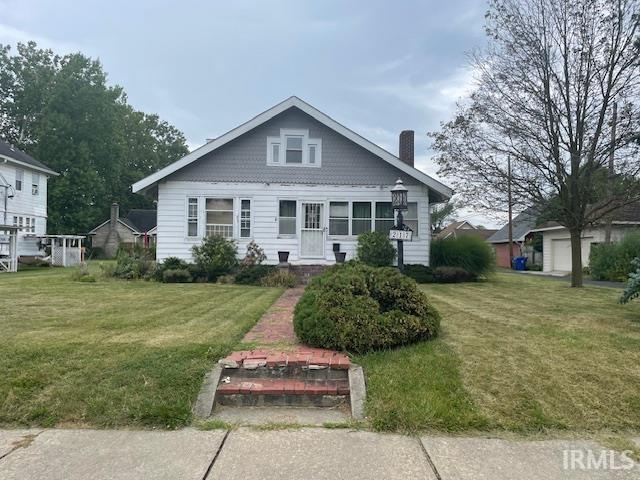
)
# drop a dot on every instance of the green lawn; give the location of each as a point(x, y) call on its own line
point(516, 353)
point(113, 353)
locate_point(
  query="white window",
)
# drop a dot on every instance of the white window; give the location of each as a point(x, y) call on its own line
point(27, 224)
point(219, 217)
point(35, 184)
point(384, 217)
point(293, 154)
point(15, 221)
point(360, 217)
point(245, 218)
point(20, 222)
point(294, 148)
point(339, 218)
point(411, 217)
point(287, 217)
point(33, 225)
point(192, 217)
point(19, 179)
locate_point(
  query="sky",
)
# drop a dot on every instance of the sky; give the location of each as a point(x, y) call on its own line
point(377, 67)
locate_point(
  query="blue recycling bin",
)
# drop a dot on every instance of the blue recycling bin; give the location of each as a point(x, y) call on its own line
point(520, 263)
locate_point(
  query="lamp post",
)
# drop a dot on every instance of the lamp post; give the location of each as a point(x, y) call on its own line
point(399, 203)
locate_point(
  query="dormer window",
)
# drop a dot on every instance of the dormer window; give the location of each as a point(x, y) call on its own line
point(294, 148)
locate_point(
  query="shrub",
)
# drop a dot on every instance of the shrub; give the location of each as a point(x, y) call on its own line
point(254, 256)
point(613, 261)
point(469, 253)
point(226, 279)
point(216, 256)
point(359, 308)
point(134, 264)
point(632, 290)
point(253, 275)
point(169, 263)
point(177, 275)
point(375, 249)
point(420, 273)
point(452, 275)
point(279, 278)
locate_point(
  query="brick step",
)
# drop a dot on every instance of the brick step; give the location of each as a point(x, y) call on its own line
point(282, 386)
point(311, 358)
point(291, 372)
point(256, 392)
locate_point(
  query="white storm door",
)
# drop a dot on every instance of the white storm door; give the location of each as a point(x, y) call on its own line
point(312, 230)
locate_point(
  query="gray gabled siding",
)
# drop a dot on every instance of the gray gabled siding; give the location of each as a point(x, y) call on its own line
point(245, 159)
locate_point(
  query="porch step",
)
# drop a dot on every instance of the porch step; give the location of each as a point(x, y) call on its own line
point(304, 377)
point(304, 273)
point(312, 358)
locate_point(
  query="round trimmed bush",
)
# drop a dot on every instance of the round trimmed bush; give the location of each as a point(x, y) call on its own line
point(359, 308)
point(375, 249)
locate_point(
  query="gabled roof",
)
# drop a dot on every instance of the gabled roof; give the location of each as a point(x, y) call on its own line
point(627, 214)
point(442, 190)
point(452, 227)
point(142, 220)
point(523, 223)
point(12, 154)
point(137, 220)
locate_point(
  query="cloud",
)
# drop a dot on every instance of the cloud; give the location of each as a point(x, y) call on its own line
point(12, 36)
point(439, 95)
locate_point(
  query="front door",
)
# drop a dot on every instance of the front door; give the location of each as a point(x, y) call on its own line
point(312, 230)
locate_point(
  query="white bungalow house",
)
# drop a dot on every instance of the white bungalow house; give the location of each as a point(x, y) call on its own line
point(23, 197)
point(293, 180)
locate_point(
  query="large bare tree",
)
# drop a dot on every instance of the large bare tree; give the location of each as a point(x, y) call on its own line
point(546, 84)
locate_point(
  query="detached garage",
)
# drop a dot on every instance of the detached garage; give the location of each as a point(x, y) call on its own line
point(560, 251)
point(556, 241)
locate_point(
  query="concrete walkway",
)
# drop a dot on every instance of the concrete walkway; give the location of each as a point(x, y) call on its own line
point(296, 454)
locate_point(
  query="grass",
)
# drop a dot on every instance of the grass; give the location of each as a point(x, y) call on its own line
point(519, 354)
point(113, 353)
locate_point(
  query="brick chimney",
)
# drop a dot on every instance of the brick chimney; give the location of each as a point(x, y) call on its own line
point(115, 214)
point(405, 150)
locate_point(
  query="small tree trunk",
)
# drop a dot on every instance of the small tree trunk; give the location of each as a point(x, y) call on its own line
point(576, 258)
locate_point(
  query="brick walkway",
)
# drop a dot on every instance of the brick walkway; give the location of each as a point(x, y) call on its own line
point(277, 344)
point(276, 325)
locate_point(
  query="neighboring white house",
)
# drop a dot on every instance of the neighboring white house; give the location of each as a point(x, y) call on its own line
point(294, 180)
point(23, 196)
point(556, 241)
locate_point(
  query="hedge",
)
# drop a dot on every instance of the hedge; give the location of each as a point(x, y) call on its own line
point(358, 308)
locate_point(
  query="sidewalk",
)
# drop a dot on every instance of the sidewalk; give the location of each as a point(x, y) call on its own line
point(306, 453)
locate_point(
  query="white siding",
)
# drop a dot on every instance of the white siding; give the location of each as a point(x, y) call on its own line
point(556, 255)
point(172, 225)
point(24, 204)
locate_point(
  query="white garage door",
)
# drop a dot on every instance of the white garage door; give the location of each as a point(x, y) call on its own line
point(561, 259)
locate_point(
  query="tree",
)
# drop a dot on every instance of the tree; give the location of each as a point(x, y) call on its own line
point(546, 84)
point(442, 213)
point(61, 110)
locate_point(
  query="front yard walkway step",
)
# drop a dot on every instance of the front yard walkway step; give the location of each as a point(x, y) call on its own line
point(283, 386)
point(301, 356)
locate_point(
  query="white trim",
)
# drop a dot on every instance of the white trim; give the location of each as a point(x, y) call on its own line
point(28, 165)
point(272, 112)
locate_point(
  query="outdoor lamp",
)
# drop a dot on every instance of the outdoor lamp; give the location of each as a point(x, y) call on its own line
point(399, 196)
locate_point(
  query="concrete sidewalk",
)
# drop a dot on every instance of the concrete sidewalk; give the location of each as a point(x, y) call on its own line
point(296, 454)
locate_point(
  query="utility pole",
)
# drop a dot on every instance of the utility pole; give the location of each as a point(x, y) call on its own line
point(614, 120)
point(510, 211)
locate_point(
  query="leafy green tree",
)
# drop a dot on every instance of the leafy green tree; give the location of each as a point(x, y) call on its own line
point(62, 110)
point(539, 122)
